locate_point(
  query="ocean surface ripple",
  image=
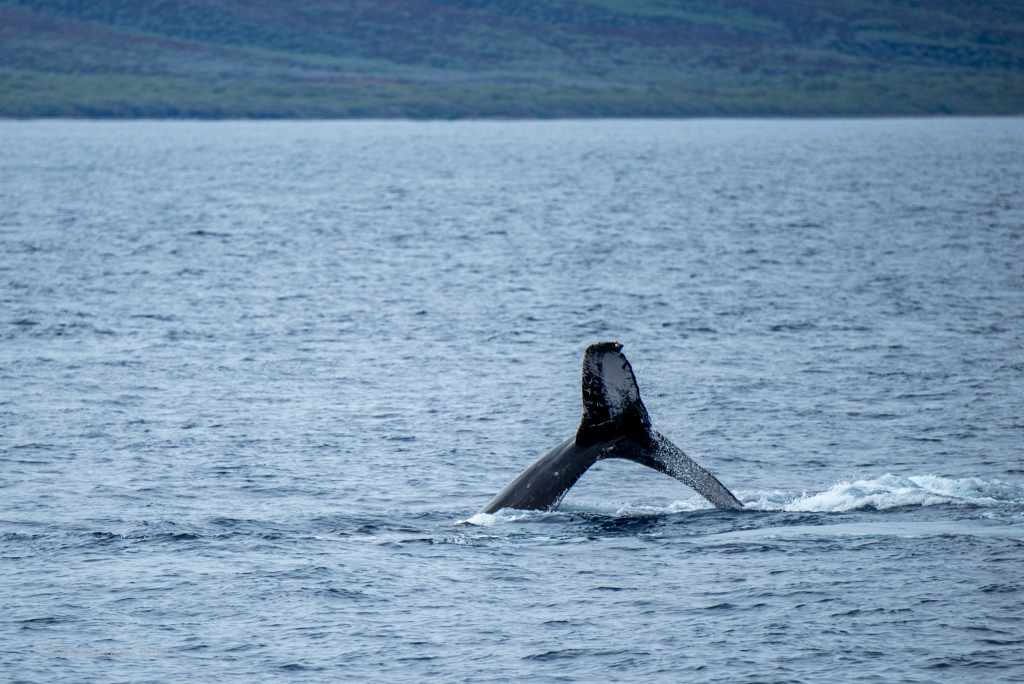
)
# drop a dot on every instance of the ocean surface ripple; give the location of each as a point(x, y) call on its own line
point(258, 379)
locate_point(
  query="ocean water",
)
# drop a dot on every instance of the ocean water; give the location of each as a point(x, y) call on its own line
point(257, 379)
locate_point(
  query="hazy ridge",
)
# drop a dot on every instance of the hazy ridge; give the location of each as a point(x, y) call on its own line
point(494, 58)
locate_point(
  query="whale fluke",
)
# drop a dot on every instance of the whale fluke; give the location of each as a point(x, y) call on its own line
point(615, 424)
point(611, 399)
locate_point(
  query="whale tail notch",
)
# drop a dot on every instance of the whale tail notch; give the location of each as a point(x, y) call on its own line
point(611, 398)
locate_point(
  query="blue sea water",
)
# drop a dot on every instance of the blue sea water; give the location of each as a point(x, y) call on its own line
point(258, 378)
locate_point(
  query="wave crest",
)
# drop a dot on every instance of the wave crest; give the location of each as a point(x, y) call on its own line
point(881, 493)
point(893, 491)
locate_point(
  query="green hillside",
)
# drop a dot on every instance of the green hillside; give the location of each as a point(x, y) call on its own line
point(503, 58)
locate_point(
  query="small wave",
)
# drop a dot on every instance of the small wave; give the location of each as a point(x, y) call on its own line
point(631, 510)
point(590, 509)
point(505, 515)
point(892, 491)
point(885, 492)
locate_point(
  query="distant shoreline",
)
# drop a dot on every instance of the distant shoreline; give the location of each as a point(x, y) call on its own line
point(836, 117)
point(495, 60)
point(112, 96)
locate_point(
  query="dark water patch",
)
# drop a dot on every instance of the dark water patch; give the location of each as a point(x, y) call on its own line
point(344, 594)
point(621, 527)
point(793, 327)
point(1002, 642)
point(1001, 588)
point(297, 667)
point(34, 446)
point(42, 622)
point(179, 537)
point(562, 654)
point(164, 318)
point(18, 537)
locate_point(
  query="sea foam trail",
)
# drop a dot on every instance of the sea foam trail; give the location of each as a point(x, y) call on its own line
point(893, 491)
point(887, 491)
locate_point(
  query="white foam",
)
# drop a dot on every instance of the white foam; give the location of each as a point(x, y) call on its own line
point(881, 493)
point(892, 491)
point(505, 515)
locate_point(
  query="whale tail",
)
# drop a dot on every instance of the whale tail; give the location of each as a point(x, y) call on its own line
point(615, 424)
point(613, 410)
point(611, 399)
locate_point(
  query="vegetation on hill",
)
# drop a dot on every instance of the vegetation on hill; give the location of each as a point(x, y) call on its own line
point(493, 58)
